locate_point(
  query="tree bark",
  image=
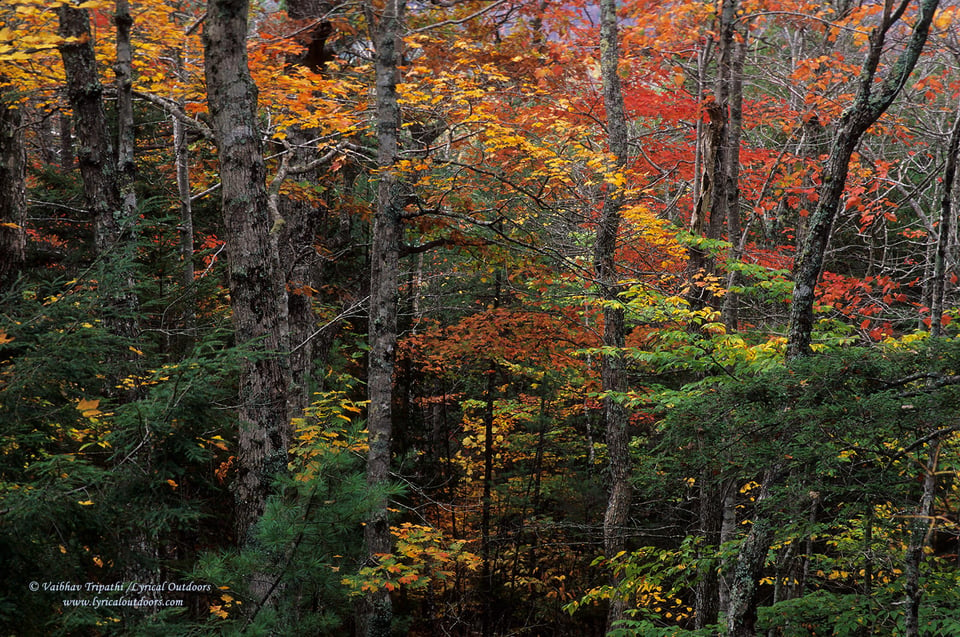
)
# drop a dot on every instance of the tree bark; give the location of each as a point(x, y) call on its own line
point(384, 296)
point(486, 504)
point(181, 154)
point(867, 107)
point(943, 230)
point(732, 54)
point(257, 290)
point(744, 581)
point(710, 511)
point(95, 151)
point(612, 374)
point(920, 532)
point(13, 209)
point(123, 69)
point(114, 225)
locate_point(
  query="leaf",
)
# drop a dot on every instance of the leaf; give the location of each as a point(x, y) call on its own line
point(89, 408)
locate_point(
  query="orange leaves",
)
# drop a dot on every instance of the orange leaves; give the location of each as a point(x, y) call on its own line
point(89, 408)
point(423, 558)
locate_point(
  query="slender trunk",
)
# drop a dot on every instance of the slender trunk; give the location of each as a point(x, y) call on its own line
point(728, 530)
point(745, 578)
point(187, 273)
point(257, 291)
point(707, 594)
point(181, 154)
point(921, 529)
point(13, 210)
point(612, 374)
point(486, 567)
point(125, 121)
point(868, 105)
point(731, 171)
point(384, 294)
point(943, 230)
point(66, 141)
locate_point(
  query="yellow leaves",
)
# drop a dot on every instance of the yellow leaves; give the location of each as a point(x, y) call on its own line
point(228, 603)
point(326, 429)
point(423, 557)
point(85, 503)
point(218, 611)
point(946, 17)
point(5, 338)
point(89, 408)
point(616, 179)
point(95, 4)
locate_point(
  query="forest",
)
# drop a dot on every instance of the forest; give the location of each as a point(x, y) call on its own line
point(479, 317)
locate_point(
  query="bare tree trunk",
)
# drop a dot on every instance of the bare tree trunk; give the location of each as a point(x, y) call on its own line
point(710, 512)
point(486, 567)
point(182, 160)
point(66, 141)
point(728, 530)
point(384, 296)
point(95, 151)
point(13, 209)
point(868, 105)
point(113, 227)
point(943, 230)
point(744, 580)
point(612, 374)
point(257, 290)
point(181, 155)
point(920, 532)
point(123, 68)
point(731, 68)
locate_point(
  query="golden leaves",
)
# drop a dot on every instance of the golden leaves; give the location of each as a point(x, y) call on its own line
point(89, 408)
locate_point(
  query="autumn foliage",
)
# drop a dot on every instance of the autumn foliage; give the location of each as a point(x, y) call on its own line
point(816, 495)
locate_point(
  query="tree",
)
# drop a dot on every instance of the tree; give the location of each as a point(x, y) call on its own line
point(384, 26)
point(613, 376)
point(257, 289)
point(870, 102)
point(943, 229)
point(13, 166)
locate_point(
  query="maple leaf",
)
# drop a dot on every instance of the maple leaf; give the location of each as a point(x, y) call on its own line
point(89, 408)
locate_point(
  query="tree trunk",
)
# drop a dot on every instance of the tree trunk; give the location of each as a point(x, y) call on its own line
point(710, 512)
point(744, 581)
point(612, 375)
point(125, 122)
point(921, 529)
point(182, 160)
point(868, 105)
point(95, 151)
point(943, 230)
point(13, 209)
point(113, 224)
point(486, 504)
point(384, 295)
point(257, 291)
point(732, 54)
